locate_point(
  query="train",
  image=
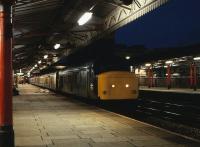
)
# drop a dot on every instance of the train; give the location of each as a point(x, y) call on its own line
point(97, 80)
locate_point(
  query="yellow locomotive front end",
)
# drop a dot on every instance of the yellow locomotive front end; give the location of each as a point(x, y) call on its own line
point(117, 85)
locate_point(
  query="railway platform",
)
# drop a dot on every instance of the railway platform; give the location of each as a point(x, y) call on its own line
point(45, 119)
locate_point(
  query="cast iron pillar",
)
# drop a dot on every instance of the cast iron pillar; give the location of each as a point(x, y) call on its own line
point(6, 116)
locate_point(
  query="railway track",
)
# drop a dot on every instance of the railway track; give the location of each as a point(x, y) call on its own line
point(177, 112)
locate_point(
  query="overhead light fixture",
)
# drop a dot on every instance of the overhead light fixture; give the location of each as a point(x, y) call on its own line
point(45, 56)
point(196, 58)
point(60, 67)
point(113, 85)
point(127, 85)
point(28, 74)
point(39, 62)
point(128, 57)
point(85, 18)
point(148, 64)
point(57, 46)
point(169, 62)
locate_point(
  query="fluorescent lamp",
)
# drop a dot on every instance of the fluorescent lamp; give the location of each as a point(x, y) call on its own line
point(60, 67)
point(85, 18)
point(56, 46)
point(196, 58)
point(169, 62)
point(45, 56)
point(148, 64)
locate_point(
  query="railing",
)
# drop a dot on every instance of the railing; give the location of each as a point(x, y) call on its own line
point(175, 82)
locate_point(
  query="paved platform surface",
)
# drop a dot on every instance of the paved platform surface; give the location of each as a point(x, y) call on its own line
point(44, 119)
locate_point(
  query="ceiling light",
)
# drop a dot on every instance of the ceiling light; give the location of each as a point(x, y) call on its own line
point(128, 57)
point(127, 85)
point(169, 62)
point(196, 58)
point(85, 18)
point(39, 62)
point(45, 56)
point(60, 67)
point(148, 64)
point(56, 46)
point(113, 86)
point(28, 74)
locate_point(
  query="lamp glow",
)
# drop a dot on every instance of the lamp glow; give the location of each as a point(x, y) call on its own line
point(85, 18)
point(169, 62)
point(128, 57)
point(56, 46)
point(148, 64)
point(196, 58)
point(39, 62)
point(45, 56)
point(113, 86)
point(127, 85)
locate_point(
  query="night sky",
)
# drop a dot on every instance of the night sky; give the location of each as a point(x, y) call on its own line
point(175, 24)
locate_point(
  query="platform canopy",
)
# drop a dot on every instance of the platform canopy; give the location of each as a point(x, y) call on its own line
point(40, 24)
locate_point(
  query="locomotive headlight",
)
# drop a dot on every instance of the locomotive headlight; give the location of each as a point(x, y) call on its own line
point(127, 85)
point(113, 85)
